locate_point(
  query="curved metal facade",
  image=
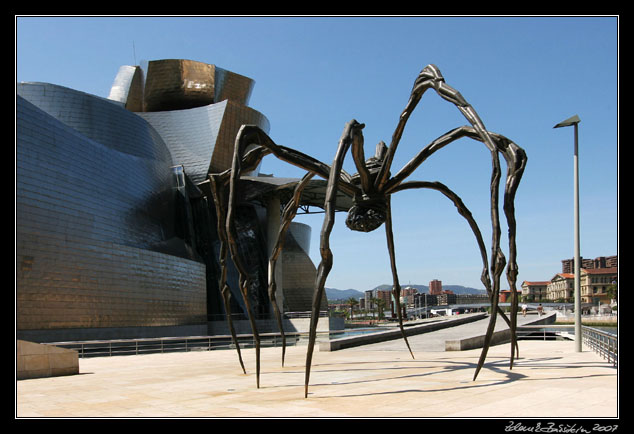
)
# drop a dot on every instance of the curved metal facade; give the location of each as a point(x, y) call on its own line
point(299, 272)
point(201, 139)
point(93, 212)
point(98, 119)
point(108, 166)
point(111, 235)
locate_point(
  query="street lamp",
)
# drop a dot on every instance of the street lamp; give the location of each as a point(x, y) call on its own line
point(574, 121)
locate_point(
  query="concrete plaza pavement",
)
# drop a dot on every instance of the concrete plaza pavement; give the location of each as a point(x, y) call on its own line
point(549, 380)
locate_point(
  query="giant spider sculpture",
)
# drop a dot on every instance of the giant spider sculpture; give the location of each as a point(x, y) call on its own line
point(371, 189)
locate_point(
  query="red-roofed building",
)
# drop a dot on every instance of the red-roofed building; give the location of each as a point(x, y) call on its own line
point(534, 291)
point(561, 287)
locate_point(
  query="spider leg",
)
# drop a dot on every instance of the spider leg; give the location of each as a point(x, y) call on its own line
point(290, 211)
point(516, 162)
point(396, 288)
point(427, 151)
point(252, 135)
point(244, 278)
point(251, 145)
point(464, 212)
point(359, 160)
point(219, 201)
point(351, 132)
point(430, 78)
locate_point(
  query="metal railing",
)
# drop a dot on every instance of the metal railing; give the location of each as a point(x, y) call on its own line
point(121, 347)
point(544, 332)
point(265, 316)
point(604, 343)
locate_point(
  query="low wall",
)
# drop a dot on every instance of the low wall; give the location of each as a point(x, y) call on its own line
point(38, 360)
point(587, 319)
point(110, 333)
point(499, 337)
point(382, 336)
point(300, 325)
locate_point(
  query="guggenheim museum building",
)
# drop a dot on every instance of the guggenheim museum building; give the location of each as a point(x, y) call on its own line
point(115, 231)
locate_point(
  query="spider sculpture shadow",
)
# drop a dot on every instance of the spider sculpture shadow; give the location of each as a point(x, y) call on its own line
point(371, 189)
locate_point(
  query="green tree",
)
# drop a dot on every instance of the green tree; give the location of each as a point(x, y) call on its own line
point(612, 291)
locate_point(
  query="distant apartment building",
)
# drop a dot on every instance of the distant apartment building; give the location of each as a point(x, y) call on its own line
point(567, 265)
point(386, 296)
point(447, 298)
point(380, 294)
point(435, 287)
point(407, 294)
point(471, 298)
point(423, 299)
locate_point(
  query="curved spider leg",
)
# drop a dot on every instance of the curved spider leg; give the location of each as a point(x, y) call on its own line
point(430, 77)
point(516, 160)
point(351, 132)
point(464, 212)
point(219, 201)
point(358, 157)
point(367, 187)
point(394, 184)
point(396, 287)
point(252, 135)
point(290, 211)
point(244, 277)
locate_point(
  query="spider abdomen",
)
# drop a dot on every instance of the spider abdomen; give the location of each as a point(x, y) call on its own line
point(367, 215)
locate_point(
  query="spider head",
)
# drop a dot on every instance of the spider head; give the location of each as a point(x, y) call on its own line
point(367, 215)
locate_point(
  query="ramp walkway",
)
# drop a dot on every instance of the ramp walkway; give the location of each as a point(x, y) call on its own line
point(456, 333)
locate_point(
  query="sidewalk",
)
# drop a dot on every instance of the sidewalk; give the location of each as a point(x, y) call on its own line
point(549, 380)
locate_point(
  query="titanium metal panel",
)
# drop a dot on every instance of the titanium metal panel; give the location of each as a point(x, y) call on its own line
point(99, 119)
point(191, 135)
point(128, 88)
point(176, 84)
point(232, 86)
point(87, 219)
point(202, 138)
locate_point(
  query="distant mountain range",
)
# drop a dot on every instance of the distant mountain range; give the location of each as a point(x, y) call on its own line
point(345, 294)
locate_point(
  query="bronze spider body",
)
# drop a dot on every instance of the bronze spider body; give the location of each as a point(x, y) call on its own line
point(371, 189)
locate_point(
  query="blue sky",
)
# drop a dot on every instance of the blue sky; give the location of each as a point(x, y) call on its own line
point(522, 75)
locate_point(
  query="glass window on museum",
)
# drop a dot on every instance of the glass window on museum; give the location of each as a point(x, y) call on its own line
point(179, 176)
